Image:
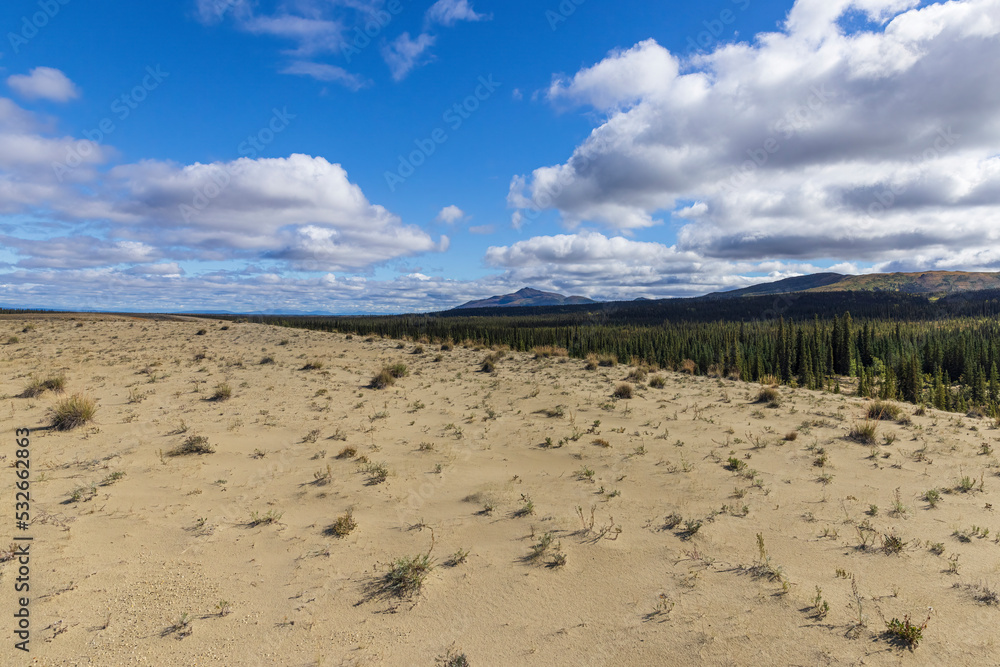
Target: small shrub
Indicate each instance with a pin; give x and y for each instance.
(623, 390)
(906, 632)
(343, 526)
(688, 367)
(195, 444)
(72, 412)
(257, 519)
(223, 392)
(56, 384)
(601, 442)
(791, 436)
(637, 376)
(608, 360)
(32, 389)
(884, 410)
(407, 576)
(347, 453)
(13, 340)
(314, 365)
(657, 382)
(769, 395)
(382, 380)
(489, 364)
(546, 351)
(398, 370)
(201, 332)
(266, 361)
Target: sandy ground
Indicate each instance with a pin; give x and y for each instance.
(131, 568)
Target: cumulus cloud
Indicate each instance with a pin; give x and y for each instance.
(450, 215)
(609, 268)
(45, 83)
(810, 142)
(300, 212)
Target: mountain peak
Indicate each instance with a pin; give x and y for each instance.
(526, 296)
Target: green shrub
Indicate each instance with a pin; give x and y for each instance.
(657, 382)
(343, 526)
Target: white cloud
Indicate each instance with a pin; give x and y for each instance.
(324, 72)
(809, 143)
(450, 215)
(300, 212)
(404, 53)
(313, 35)
(610, 268)
(45, 83)
(450, 12)
(484, 230)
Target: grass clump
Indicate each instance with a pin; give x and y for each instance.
(864, 432)
(546, 351)
(267, 361)
(195, 444)
(623, 391)
(388, 375)
(884, 410)
(347, 453)
(637, 376)
(769, 395)
(657, 382)
(407, 576)
(72, 412)
(223, 392)
(314, 365)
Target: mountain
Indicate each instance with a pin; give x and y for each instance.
(526, 297)
(928, 283)
(796, 284)
(933, 284)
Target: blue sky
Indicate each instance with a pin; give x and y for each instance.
(238, 155)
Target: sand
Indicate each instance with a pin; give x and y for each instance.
(164, 564)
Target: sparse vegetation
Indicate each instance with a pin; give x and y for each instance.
(623, 391)
(223, 392)
(195, 444)
(73, 412)
(343, 526)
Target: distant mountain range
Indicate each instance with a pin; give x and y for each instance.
(933, 284)
(526, 297)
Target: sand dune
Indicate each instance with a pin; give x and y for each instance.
(241, 541)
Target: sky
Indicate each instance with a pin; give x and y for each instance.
(385, 156)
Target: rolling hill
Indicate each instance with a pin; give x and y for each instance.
(526, 297)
